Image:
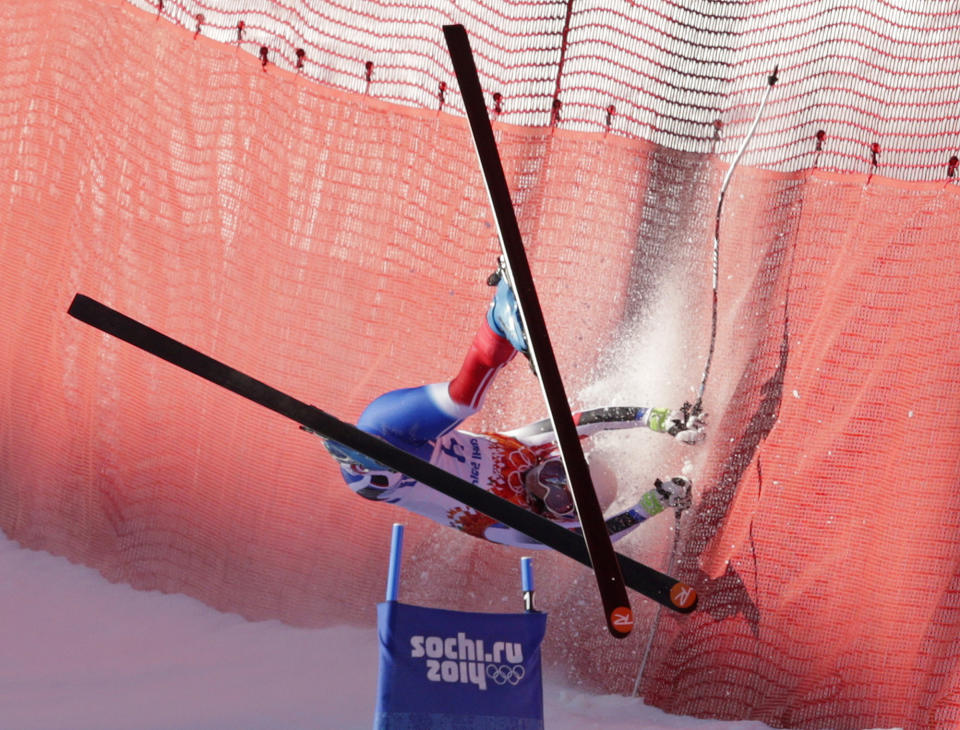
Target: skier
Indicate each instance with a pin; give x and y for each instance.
(522, 466)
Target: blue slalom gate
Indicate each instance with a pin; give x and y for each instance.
(454, 669)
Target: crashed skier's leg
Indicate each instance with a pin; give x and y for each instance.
(488, 353)
(413, 418)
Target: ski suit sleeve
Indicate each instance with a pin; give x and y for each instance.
(618, 526)
(589, 422)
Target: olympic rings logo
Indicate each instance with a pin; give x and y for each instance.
(504, 673)
(461, 659)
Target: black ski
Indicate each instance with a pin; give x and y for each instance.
(613, 593)
(645, 580)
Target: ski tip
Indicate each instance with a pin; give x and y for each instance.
(83, 308)
(683, 597)
(454, 30)
(620, 621)
(77, 303)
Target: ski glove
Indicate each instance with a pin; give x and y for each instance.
(686, 425)
(674, 492)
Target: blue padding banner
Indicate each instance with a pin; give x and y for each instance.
(450, 669)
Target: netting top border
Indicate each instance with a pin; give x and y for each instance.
(863, 90)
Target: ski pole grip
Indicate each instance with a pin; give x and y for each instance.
(396, 553)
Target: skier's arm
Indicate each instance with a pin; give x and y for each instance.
(674, 493)
(686, 428)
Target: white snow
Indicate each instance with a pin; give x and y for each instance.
(80, 653)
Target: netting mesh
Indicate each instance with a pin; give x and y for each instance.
(334, 245)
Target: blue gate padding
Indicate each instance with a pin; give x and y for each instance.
(451, 669)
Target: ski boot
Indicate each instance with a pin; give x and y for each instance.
(687, 424)
(503, 316)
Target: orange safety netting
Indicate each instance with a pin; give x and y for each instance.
(334, 246)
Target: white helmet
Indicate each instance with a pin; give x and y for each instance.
(547, 481)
